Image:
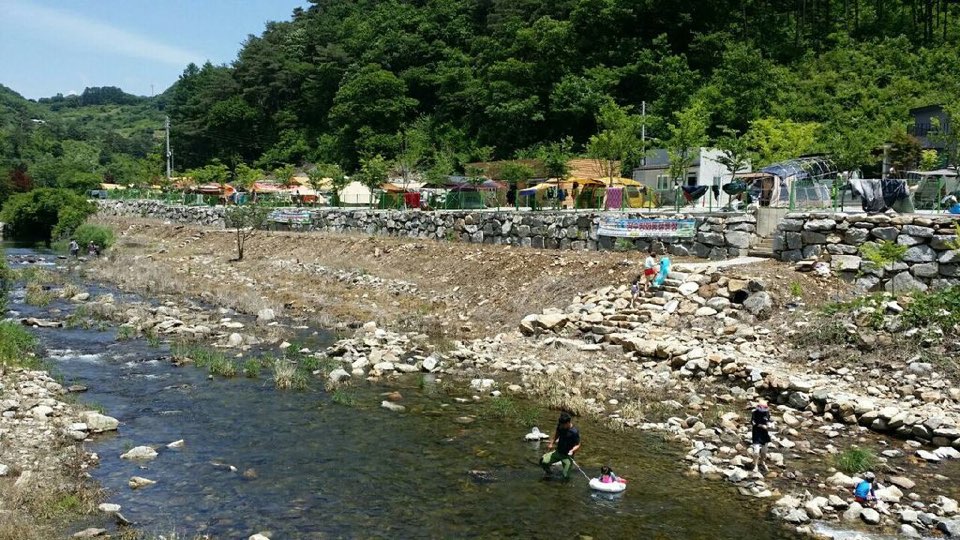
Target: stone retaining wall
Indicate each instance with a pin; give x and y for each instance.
(929, 261)
(718, 235)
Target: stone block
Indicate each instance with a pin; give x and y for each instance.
(926, 270)
(885, 233)
(920, 254)
(811, 237)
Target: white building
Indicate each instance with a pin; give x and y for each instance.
(705, 171)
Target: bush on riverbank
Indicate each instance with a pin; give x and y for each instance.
(17, 347)
(6, 280)
(44, 214)
(856, 460)
(86, 233)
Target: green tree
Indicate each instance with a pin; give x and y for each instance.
(373, 172)
(556, 158)
(771, 140)
(733, 147)
(284, 174)
(367, 112)
(619, 138)
(324, 172)
(687, 134)
(36, 214)
(929, 160)
(212, 173)
(246, 221)
(245, 176)
(514, 173)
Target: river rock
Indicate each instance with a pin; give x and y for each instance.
(797, 515)
(92, 532)
(890, 494)
(4, 470)
(266, 315)
(235, 340)
(759, 303)
(948, 505)
(870, 516)
(98, 423)
(109, 508)
(853, 512)
(258, 536)
(902, 482)
(430, 364)
(909, 531)
(928, 456)
(391, 406)
(947, 452)
(137, 482)
(80, 297)
(176, 444)
(338, 375)
(949, 527)
(688, 288)
(140, 453)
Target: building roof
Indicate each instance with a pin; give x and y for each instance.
(926, 108)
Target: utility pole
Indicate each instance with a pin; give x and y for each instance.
(643, 132)
(169, 155)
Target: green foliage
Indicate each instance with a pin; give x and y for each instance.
(38, 295)
(618, 140)
(687, 134)
(244, 176)
(125, 333)
(223, 366)
(515, 173)
(796, 289)
(212, 173)
(246, 221)
(509, 410)
(251, 368)
(735, 155)
(940, 308)
(342, 396)
(6, 280)
(856, 460)
(929, 160)
(284, 174)
(772, 140)
(98, 234)
(373, 171)
(884, 253)
(37, 214)
(17, 346)
(556, 158)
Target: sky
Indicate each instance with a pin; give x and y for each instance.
(142, 46)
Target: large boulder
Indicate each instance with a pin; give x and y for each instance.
(142, 453)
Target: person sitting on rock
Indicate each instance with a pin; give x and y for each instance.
(760, 434)
(567, 441)
(864, 492)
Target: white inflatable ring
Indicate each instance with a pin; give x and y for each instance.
(608, 487)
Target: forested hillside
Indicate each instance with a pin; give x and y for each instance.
(76, 142)
(465, 79)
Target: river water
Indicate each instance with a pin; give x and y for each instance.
(318, 469)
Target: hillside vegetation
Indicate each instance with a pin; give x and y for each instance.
(76, 142)
(460, 80)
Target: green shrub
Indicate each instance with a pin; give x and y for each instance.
(342, 396)
(223, 366)
(251, 368)
(34, 215)
(939, 307)
(17, 346)
(98, 234)
(855, 460)
(883, 254)
(6, 279)
(508, 410)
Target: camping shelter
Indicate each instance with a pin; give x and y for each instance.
(805, 181)
(932, 186)
(356, 194)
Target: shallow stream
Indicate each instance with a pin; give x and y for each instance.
(318, 469)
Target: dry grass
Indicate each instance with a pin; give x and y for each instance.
(491, 287)
(42, 508)
(283, 373)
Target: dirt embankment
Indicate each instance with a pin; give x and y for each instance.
(448, 290)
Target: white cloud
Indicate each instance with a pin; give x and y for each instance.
(81, 31)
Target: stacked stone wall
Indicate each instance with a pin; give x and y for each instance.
(930, 260)
(718, 235)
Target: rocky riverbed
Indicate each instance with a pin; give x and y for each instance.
(687, 361)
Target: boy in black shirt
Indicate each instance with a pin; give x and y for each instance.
(567, 441)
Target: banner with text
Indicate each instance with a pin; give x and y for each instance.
(647, 228)
(291, 217)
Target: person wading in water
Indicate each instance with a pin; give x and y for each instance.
(567, 441)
